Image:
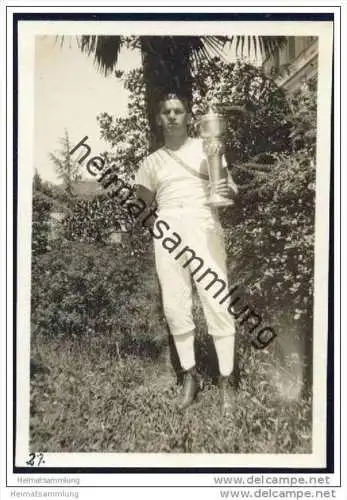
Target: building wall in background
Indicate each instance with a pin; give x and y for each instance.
(295, 63)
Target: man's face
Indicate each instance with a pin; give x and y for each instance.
(173, 117)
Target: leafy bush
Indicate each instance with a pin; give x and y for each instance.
(88, 291)
(272, 233)
(263, 126)
(92, 220)
(128, 137)
(41, 210)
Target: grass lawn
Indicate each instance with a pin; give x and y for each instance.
(86, 398)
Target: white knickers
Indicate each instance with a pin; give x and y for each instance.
(176, 268)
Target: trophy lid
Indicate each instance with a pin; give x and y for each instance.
(212, 123)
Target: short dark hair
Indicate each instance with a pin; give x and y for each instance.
(168, 96)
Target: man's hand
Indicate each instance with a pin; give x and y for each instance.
(226, 187)
(222, 188)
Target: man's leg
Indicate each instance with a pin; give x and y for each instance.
(176, 289)
(185, 349)
(211, 289)
(225, 347)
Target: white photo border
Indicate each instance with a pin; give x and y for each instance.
(25, 149)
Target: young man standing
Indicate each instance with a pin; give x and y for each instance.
(176, 177)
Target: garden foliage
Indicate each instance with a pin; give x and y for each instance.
(42, 206)
(272, 231)
(85, 291)
(92, 221)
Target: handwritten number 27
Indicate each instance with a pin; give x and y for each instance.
(35, 459)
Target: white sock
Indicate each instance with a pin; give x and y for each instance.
(185, 349)
(225, 353)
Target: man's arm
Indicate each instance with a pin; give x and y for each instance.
(146, 196)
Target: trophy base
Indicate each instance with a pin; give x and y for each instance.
(217, 201)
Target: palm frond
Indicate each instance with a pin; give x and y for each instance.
(105, 50)
(261, 45)
(267, 45)
(243, 43)
(255, 45)
(215, 44)
(203, 48)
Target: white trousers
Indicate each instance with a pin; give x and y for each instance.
(176, 268)
(224, 346)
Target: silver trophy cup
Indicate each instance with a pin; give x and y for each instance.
(212, 129)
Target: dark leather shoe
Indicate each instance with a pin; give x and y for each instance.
(189, 389)
(227, 397)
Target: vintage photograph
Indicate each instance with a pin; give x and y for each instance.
(177, 214)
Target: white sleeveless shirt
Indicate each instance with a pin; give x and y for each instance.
(176, 188)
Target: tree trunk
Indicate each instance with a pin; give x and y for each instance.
(166, 67)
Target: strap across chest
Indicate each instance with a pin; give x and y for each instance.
(185, 165)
